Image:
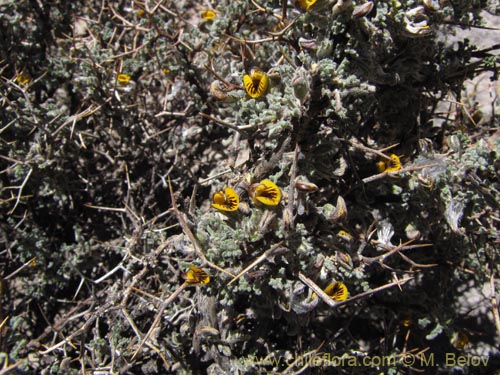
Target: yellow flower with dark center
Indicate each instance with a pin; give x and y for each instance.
(337, 291)
(265, 192)
(392, 165)
(196, 276)
(306, 4)
(256, 83)
(23, 79)
(123, 79)
(208, 15)
(227, 200)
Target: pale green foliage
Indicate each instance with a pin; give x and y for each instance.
(91, 243)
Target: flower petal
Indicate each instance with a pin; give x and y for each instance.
(392, 165)
(208, 14)
(267, 193)
(232, 199)
(395, 164)
(256, 83)
(226, 201)
(123, 79)
(337, 291)
(306, 4)
(196, 276)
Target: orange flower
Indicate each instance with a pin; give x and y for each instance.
(227, 200)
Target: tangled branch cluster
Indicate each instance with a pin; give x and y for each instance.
(189, 187)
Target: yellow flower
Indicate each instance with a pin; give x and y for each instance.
(165, 70)
(208, 14)
(306, 4)
(123, 79)
(256, 83)
(227, 200)
(337, 291)
(389, 166)
(196, 276)
(265, 192)
(23, 79)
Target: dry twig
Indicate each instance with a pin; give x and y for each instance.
(267, 254)
(190, 235)
(332, 303)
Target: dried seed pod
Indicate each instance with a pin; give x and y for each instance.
(305, 186)
(344, 259)
(362, 10)
(454, 143)
(308, 43)
(274, 74)
(340, 7)
(425, 147)
(219, 90)
(342, 167)
(416, 23)
(340, 212)
(417, 30)
(267, 221)
(416, 13)
(244, 208)
(302, 304)
(300, 84)
(208, 331)
(432, 5)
